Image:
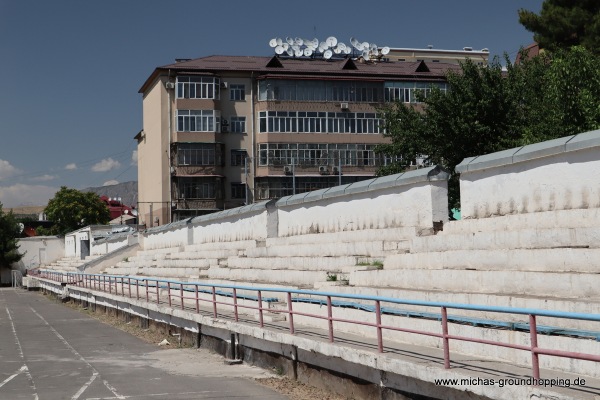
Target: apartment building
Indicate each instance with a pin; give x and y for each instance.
(224, 131)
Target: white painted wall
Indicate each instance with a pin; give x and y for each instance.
(252, 226)
(39, 250)
(414, 205)
(569, 180)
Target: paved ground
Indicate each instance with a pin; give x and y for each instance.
(48, 351)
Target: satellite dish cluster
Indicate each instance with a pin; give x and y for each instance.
(329, 48)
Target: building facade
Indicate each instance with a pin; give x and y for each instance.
(223, 131)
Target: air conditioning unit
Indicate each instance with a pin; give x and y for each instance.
(287, 169)
(323, 170)
(224, 129)
(224, 85)
(170, 85)
(336, 170)
(344, 106)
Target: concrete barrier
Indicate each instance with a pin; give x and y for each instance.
(559, 174)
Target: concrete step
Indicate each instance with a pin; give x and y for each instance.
(579, 218)
(199, 254)
(527, 283)
(294, 263)
(203, 263)
(391, 234)
(238, 245)
(509, 239)
(542, 260)
(303, 278)
(373, 248)
(151, 252)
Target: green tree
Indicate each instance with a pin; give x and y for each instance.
(565, 23)
(491, 109)
(9, 233)
(71, 209)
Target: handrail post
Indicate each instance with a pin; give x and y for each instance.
(445, 340)
(214, 301)
(181, 294)
(290, 312)
(137, 289)
(157, 293)
(330, 318)
(235, 306)
(110, 285)
(378, 320)
(129, 286)
(535, 362)
(260, 310)
(169, 292)
(197, 301)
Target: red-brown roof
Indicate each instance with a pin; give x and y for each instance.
(307, 68)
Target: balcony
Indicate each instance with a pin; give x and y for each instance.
(198, 204)
(197, 170)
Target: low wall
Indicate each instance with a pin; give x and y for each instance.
(39, 250)
(412, 199)
(416, 199)
(559, 174)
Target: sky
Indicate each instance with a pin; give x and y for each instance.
(71, 69)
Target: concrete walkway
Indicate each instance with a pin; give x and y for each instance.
(49, 351)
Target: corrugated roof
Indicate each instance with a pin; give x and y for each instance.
(305, 67)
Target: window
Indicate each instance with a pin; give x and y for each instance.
(198, 120)
(195, 154)
(197, 87)
(238, 124)
(238, 157)
(406, 92)
(196, 188)
(318, 122)
(316, 154)
(309, 90)
(237, 92)
(238, 191)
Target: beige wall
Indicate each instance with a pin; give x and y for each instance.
(153, 162)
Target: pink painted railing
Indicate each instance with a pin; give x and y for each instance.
(144, 288)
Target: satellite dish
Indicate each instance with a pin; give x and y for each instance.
(353, 42)
(299, 41)
(308, 52)
(365, 45)
(273, 42)
(373, 47)
(341, 46)
(289, 40)
(337, 50)
(327, 55)
(298, 52)
(279, 41)
(290, 52)
(366, 54)
(347, 50)
(323, 46)
(279, 50)
(385, 51)
(331, 41)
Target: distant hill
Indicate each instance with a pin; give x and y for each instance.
(127, 191)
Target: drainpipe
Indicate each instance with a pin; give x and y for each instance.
(253, 157)
(169, 152)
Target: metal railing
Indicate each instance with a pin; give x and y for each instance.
(178, 293)
(17, 278)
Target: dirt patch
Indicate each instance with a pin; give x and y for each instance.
(296, 390)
